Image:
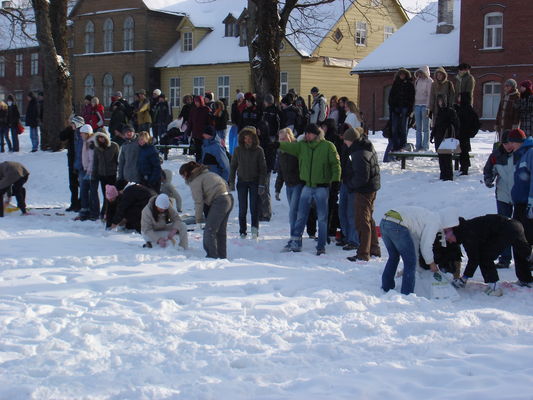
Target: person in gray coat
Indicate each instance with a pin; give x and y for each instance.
(127, 159)
(105, 164)
(210, 191)
(13, 176)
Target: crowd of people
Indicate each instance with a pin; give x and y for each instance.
(325, 159)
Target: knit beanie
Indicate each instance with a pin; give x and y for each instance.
(111, 192)
(162, 201)
(511, 83)
(527, 84)
(516, 136)
(86, 129)
(353, 135)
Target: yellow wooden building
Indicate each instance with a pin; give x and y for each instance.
(212, 54)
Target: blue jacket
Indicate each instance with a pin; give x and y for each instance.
(522, 192)
(214, 157)
(78, 147)
(148, 164)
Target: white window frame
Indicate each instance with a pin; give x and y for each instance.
(283, 83)
(108, 89)
(223, 87)
(198, 85)
(89, 37)
(88, 85)
(187, 41)
(491, 99)
(129, 33)
(386, 109)
(108, 35)
(361, 33)
(128, 91)
(34, 65)
(174, 89)
(388, 31)
(492, 33)
(19, 65)
(2, 67)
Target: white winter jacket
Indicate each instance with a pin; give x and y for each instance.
(423, 225)
(352, 120)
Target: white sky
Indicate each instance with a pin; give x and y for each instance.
(414, 5)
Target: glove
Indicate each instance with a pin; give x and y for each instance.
(530, 212)
(261, 190)
(489, 184)
(162, 242)
(172, 233)
(231, 187)
(277, 196)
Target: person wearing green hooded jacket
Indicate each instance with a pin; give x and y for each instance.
(320, 167)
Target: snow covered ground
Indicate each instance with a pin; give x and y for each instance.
(87, 314)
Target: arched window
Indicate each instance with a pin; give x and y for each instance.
(88, 85)
(89, 37)
(491, 99)
(127, 91)
(129, 29)
(108, 89)
(493, 31)
(108, 35)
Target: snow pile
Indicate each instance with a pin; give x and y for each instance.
(88, 314)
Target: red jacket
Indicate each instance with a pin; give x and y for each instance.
(199, 119)
(97, 117)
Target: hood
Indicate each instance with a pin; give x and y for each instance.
(424, 70)
(249, 130)
(105, 136)
(214, 139)
(197, 171)
(168, 176)
(405, 71)
(440, 69)
(527, 144)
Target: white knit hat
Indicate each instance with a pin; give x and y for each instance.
(86, 129)
(449, 217)
(162, 201)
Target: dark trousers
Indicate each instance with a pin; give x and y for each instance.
(446, 167)
(366, 226)
(311, 220)
(247, 190)
(464, 158)
(520, 214)
(333, 212)
(19, 192)
(74, 187)
(215, 231)
(197, 143)
(105, 180)
(399, 127)
(506, 210)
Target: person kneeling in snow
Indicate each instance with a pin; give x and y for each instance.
(13, 175)
(484, 238)
(124, 208)
(406, 231)
(160, 222)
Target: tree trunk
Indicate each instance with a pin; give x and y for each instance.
(265, 35)
(51, 25)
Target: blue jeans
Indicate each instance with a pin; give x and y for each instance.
(90, 203)
(398, 242)
(15, 138)
(422, 127)
(293, 195)
(347, 215)
(4, 136)
(320, 195)
(506, 210)
(245, 190)
(399, 127)
(34, 136)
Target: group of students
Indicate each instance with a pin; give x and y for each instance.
(10, 122)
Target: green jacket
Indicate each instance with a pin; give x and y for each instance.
(318, 161)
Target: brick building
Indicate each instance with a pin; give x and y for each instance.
(116, 45)
(496, 39)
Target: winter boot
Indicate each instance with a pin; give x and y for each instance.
(255, 233)
(494, 289)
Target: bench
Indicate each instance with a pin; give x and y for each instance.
(163, 147)
(404, 155)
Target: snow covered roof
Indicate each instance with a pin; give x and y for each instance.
(304, 35)
(416, 44)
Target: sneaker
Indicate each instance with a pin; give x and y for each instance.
(355, 259)
(296, 246)
(147, 245)
(243, 235)
(350, 246)
(287, 247)
(523, 284)
(502, 265)
(493, 290)
(255, 233)
(459, 283)
(319, 252)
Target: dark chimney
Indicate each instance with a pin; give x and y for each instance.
(445, 16)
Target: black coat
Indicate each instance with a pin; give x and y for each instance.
(271, 116)
(468, 124)
(446, 125)
(129, 206)
(484, 238)
(119, 117)
(67, 136)
(249, 117)
(402, 94)
(290, 116)
(288, 172)
(13, 116)
(221, 121)
(362, 173)
(32, 114)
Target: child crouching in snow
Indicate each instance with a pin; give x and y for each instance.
(160, 222)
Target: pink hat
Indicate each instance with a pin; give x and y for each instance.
(111, 192)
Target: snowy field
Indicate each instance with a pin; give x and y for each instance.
(87, 314)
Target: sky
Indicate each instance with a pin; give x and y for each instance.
(412, 6)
